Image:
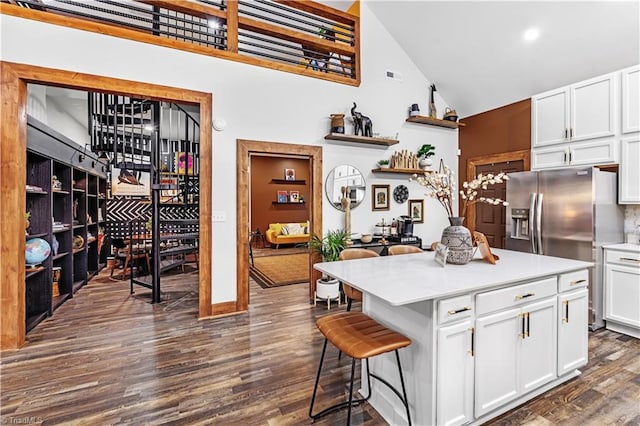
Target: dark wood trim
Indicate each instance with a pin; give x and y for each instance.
(474, 162)
(244, 149)
(13, 163)
(225, 309)
(96, 27)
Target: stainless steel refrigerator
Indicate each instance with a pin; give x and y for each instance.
(566, 213)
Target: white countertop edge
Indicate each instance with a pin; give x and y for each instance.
(623, 246)
(375, 276)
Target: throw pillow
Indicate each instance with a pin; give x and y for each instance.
(294, 228)
(285, 230)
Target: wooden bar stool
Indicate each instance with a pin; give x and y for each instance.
(403, 249)
(361, 337)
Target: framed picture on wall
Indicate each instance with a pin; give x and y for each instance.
(130, 182)
(283, 196)
(289, 174)
(416, 210)
(379, 197)
(294, 196)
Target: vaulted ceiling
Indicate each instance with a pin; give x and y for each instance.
(475, 53)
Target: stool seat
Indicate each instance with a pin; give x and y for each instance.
(360, 336)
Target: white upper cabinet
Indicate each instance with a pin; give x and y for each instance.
(550, 117)
(629, 173)
(584, 110)
(631, 99)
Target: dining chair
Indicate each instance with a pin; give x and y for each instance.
(354, 253)
(403, 249)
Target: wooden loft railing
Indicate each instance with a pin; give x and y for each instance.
(297, 36)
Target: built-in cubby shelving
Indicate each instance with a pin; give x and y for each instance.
(361, 139)
(62, 196)
(422, 119)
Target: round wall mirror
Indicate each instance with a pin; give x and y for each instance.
(345, 175)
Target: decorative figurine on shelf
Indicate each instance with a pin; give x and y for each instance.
(345, 202)
(362, 123)
(414, 110)
(337, 123)
(432, 102)
(56, 185)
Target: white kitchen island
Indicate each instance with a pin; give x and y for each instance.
(485, 338)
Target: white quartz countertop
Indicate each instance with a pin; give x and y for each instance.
(411, 278)
(623, 246)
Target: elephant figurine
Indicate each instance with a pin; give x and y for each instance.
(362, 123)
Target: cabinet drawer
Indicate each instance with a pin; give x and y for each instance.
(516, 295)
(573, 280)
(456, 308)
(622, 257)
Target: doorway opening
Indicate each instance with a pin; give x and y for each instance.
(265, 171)
(487, 218)
(14, 149)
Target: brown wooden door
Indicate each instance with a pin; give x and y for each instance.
(490, 219)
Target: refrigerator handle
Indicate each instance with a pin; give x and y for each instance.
(539, 222)
(532, 237)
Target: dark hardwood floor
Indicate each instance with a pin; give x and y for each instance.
(107, 357)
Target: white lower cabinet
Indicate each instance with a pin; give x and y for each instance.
(496, 347)
(455, 374)
(573, 334)
(622, 289)
(516, 353)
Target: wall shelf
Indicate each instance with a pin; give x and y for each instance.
(421, 119)
(289, 182)
(400, 171)
(361, 139)
(288, 202)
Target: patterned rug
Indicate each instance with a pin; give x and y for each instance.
(276, 271)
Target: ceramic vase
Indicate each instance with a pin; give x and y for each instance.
(458, 239)
(425, 163)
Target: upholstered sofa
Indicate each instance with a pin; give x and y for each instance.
(287, 233)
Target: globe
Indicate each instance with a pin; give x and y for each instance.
(36, 251)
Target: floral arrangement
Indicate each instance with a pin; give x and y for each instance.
(442, 186)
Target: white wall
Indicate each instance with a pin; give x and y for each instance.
(268, 105)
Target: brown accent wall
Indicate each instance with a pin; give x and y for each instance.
(500, 130)
(264, 191)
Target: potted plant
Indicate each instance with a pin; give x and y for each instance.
(425, 153)
(383, 164)
(329, 248)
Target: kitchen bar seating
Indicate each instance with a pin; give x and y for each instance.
(361, 337)
(403, 249)
(354, 253)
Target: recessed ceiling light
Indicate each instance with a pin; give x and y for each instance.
(531, 34)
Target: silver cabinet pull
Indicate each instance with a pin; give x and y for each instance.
(576, 282)
(629, 259)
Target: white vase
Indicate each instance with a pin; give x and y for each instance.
(425, 163)
(327, 289)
